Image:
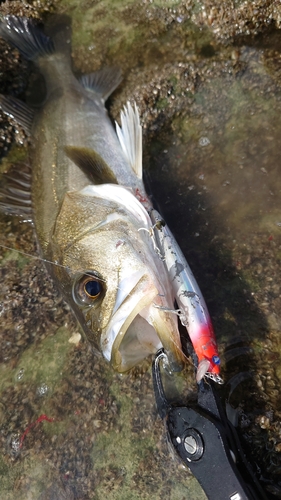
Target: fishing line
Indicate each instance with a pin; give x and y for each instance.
(36, 257)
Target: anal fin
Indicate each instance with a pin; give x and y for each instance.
(92, 164)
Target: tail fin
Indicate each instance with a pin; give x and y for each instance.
(21, 33)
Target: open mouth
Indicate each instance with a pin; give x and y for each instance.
(129, 337)
(140, 340)
(138, 328)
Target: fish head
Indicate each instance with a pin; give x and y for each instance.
(115, 281)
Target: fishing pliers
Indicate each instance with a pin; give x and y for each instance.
(206, 441)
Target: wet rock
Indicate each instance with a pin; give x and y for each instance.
(209, 98)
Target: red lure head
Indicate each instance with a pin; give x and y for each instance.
(205, 347)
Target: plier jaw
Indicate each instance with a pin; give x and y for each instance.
(207, 442)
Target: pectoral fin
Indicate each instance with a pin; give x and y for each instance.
(92, 164)
(15, 192)
(18, 110)
(102, 82)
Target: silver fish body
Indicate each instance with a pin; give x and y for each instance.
(72, 116)
(85, 206)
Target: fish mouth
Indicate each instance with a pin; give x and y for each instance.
(138, 327)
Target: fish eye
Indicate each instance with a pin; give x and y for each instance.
(93, 288)
(88, 288)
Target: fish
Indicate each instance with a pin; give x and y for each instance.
(85, 195)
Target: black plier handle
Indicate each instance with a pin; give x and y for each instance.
(207, 442)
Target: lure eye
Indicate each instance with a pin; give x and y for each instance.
(88, 289)
(216, 360)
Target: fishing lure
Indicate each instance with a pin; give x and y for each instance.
(193, 313)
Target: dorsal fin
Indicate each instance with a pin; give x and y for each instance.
(18, 110)
(130, 137)
(21, 33)
(15, 192)
(103, 81)
(92, 164)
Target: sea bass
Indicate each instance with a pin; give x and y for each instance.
(89, 206)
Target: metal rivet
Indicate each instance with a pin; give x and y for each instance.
(190, 445)
(193, 445)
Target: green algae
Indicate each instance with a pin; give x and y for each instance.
(98, 21)
(17, 154)
(18, 257)
(126, 453)
(132, 35)
(40, 364)
(165, 3)
(119, 447)
(161, 104)
(29, 478)
(6, 481)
